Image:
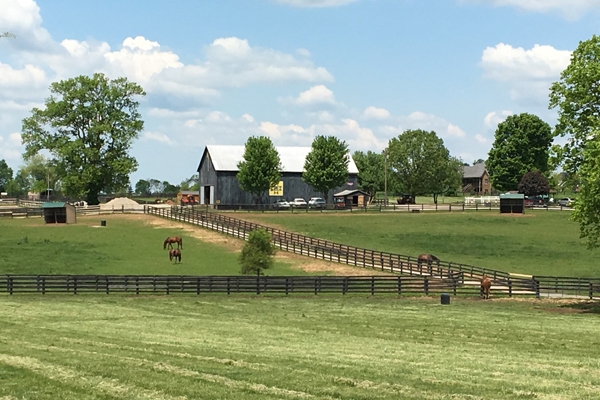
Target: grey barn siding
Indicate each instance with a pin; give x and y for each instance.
(227, 189)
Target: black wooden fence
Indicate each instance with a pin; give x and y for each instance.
(171, 284)
(330, 251)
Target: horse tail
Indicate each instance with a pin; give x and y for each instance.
(181, 242)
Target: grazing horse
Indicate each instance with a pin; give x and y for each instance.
(486, 284)
(428, 258)
(173, 239)
(175, 254)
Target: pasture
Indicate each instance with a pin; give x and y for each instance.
(129, 244)
(539, 242)
(307, 347)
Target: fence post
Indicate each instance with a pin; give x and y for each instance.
(198, 285)
(137, 285)
(426, 285)
(537, 288)
(399, 286)
(10, 285)
(345, 285)
(591, 291)
(167, 285)
(228, 290)
(44, 285)
(372, 286)
(509, 287)
(74, 285)
(106, 280)
(287, 286)
(258, 285)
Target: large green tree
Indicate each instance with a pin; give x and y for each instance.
(88, 125)
(421, 164)
(261, 168)
(577, 97)
(40, 173)
(142, 187)
(522, 144)
(6, 175)
(370, 171)
(534, 183)
(326, 165)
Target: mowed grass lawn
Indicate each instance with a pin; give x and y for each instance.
(313, 347)
(539, 242)
(127, 245)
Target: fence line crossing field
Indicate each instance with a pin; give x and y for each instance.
(326, 347)
(536, 243)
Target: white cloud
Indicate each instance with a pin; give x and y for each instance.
(316, 95)
(322, 116)
(11, 147)
(492, 119)
(315, 3)
(571, 9)
(157, 136)
(376, 113)
(166, 113)
(480, 138)
(248, 118)
(529, 73)
(431, 122)
(455, 131)
(217, 116)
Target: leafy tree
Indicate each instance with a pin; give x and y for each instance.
(261, 168)
(156, 186)
(40, 174)
(257, 254)
(577, 97)
(370, 171)
(129, 190)
(478, 161)
(421, 163)
(448, 179)
(326, 165)
(6, 175)
(88, 125)
(521, 144)
(170, 188)
(534, 183)
(143, 187)
(190, 184)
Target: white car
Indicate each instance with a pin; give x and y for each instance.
(316, 202)
(566, 202)
(281, 204)
(298, 202)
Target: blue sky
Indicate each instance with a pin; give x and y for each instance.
(217, 72)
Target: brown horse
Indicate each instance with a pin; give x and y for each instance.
(175, 254)
(486, 285)
(427, 258)
(173, 239)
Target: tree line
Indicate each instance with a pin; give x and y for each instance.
(88, 124)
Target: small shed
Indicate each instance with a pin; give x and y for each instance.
(512, 203)
(59, 212)
(351, 198)
(188, 197)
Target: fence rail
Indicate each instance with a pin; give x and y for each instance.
(19, 212)
(170, 284)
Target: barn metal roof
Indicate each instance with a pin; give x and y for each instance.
(54, 204)
(226, 158)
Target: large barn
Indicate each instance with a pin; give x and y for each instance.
(219, 185)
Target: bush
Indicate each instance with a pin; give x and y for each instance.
(257, 254)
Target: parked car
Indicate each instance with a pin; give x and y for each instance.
(298, 202)
(537, 201)
(281, 203)
(316, 202)
(405, 199)
(566, 202)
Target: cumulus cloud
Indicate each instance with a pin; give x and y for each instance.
(480, 138)
(529, 73)
(315, 95)
(315, 3)
(166, 113)
(492, 119)
(376, 113)
(431, 122)
(571, 9)
(157, 136)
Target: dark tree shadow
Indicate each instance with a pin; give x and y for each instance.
(592, 307)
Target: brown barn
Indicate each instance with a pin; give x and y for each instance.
(59, 213)
(476, 179)
(351, 198)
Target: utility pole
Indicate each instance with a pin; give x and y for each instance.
(385, 201)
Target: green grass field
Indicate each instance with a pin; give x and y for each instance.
(125, 246)
(540, 242)
(313, 347)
